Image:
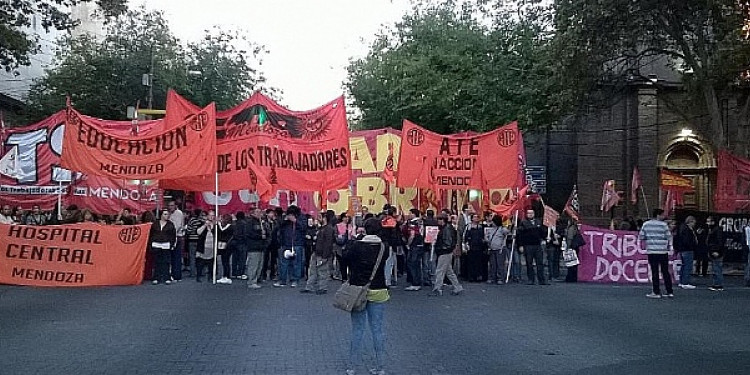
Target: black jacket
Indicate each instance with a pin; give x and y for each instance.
(446, 240)
(166, 234)
(326, 237)
(685, 240)
(361, 257)
(255, 242)
(531, 232)
(715, 242)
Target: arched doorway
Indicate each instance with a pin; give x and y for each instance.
(692, 158)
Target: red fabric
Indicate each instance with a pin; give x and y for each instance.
(550, 216)
(609, 196)
(182, 150)
(732, 183)
(431, 160)
(40, 146)
(506, 202)
(635, 185)
(572, 207)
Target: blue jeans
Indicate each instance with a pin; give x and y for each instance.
(177, 259)
(717, 265)
(296, 263)
(515, 267)
(239, 259)
(373, 313)
(687, 267)
(192, 246)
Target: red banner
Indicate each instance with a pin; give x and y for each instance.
(732, 184)
(431, 160)
(178, 151)
(76, 255)
(41, 177)
(295, 150)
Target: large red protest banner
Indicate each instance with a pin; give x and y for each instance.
(41, 178)
(295, 150)
(459, 162)
(178, 151)
(615, 256)
(76, 255)
(732, 184)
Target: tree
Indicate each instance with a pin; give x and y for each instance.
(604, 44)
(445, 69)
(103, 78)
(15, 15)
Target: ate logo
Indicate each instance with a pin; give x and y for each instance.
(506, 138)
(130, 235)
(199, 121)
(415, 137)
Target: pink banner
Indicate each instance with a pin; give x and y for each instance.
(616, 256)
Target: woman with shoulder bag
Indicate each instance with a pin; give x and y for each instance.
(575, 242)
(362, 258)
(224, 249)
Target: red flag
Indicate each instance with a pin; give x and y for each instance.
(550, 216)
(609, 196)
(388, 174)
(572, 208)
(635, 185)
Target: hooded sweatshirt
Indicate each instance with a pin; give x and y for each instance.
(361, 258)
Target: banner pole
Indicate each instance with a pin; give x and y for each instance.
(512, 246)
(645, 202)
(216, 215)
(59, 199)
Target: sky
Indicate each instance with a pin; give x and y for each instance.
(309, 42)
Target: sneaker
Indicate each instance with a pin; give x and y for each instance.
(278, 284)
(294, 284)
(500, 282)
(490, 282)
(350, 372)
(686, 286)
(716, 288)
(155, 282)
(253, 286)
(168, 282)
(243, 277)
(224, 280)
(653, 295)
(436, 293)
(457, 292)
(413, 288)
(377, 372)
(307, 291)
(670, 295)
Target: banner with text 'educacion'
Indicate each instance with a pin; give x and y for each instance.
(75, 255)
(185, 149)
(489, 160)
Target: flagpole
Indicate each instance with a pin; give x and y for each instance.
(512, 246)
(216, 218)
(645, 202)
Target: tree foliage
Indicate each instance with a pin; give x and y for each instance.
(450, 71)
(16, 16)
(606, 43)
(104, 77)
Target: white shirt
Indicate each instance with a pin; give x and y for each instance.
(178, 219)
(6, 219)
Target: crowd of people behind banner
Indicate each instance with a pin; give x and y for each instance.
(289, 247)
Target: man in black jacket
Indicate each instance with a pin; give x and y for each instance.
(319, 270)
(531, 236)
(715, 245)
(686, 243)
(444, 245)
(240, 243)
(255, 245)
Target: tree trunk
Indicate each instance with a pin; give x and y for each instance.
(714, 111)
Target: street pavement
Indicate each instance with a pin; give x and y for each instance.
(199, 328)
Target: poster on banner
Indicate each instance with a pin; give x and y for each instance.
(435, 161)
(184, 150)
(75, 255)
(732, 183)
(355, 205)
(41, 179)
(431, 233)
(615, 256)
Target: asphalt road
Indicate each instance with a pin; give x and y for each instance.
(191, 328)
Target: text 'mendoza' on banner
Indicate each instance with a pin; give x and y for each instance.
(179, 150)
(459, 162)
(40, 179)
(615, 256)
(75, 255)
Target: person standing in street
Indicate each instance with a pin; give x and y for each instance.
(255, 245)
(496, 239)
(444, 245)
(362, 258)
(291, 238)
(685, 244)
(319, 270)
(531, 236)
(715, 246)
(178, 220)
(656, 237)
(163, 238)
(205, 250)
